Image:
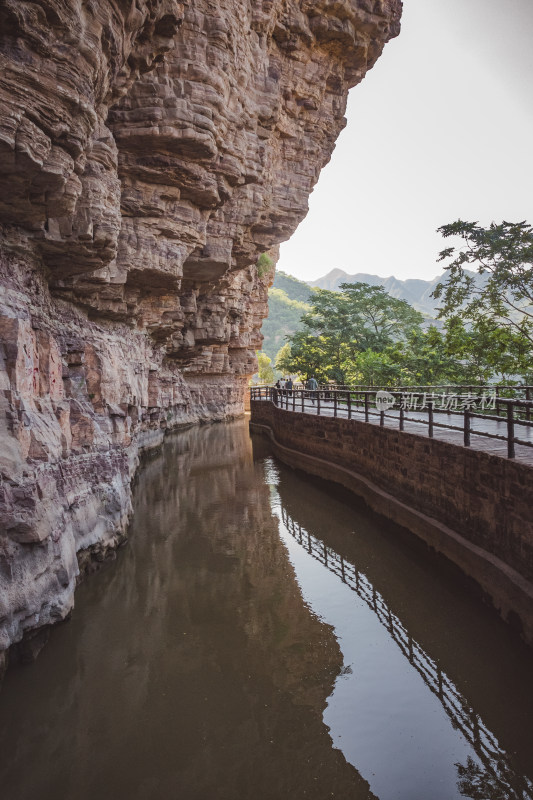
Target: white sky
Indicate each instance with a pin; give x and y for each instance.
(440, 129)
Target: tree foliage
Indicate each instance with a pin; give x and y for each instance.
(503, 298)
(488, 312)
(264, 264)
(341, 326)
(361, 335)
(283, 359)
(308, 357)
(265, 370)
(378, 318)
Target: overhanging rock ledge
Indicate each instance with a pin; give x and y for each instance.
(150, 151)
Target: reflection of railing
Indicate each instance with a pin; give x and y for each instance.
(428, 410)
(461, 714)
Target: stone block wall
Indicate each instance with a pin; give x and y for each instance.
(484, 500)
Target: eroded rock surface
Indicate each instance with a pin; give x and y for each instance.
(150, 151)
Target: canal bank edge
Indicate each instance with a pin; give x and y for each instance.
(502, 585)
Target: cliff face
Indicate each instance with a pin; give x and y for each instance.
(150, 151)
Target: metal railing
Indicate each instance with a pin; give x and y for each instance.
(518, 391)
(463, 717)
(454, 412)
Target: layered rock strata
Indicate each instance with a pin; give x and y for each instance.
(150, 151)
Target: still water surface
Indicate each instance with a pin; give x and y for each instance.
(264, 636)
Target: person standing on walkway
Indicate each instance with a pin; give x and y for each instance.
(288, 386)
(312, 386)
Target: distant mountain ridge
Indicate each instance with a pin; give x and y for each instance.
(417, 292)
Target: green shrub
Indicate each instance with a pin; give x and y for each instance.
(264, 264)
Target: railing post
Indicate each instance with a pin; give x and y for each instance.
(401, 418)
(467, 426)
(334, 402)
(381, 419)
(528, 398)
(349, 405)
(303, 399)
(294, 399)
(430, 419)
(497, 403)
(318, 402)
(510, 431)
(366, 406)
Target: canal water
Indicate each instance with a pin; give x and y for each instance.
(263, 635)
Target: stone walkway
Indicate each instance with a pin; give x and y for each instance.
(417, 422)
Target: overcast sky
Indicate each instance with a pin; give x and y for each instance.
(440, 129)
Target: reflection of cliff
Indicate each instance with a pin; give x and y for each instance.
(463, 654)
(150, 151)
(191, 668)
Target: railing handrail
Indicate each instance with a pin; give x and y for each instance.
(516, 411)
(394, 392)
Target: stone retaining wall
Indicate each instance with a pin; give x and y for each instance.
(473, 507)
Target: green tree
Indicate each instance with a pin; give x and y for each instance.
(308, 357)
(283, 362)
(265, 371)
(499, 293)
(373, 369)
(486, 350)
(342, 325)
(377, 318)
(425, 359)
(330, 322)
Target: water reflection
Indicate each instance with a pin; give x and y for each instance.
(192, 667)
(420, 768)
(261, 638)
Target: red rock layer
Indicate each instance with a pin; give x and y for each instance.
(150, 151)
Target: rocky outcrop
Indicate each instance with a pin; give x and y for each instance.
(150, 151)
